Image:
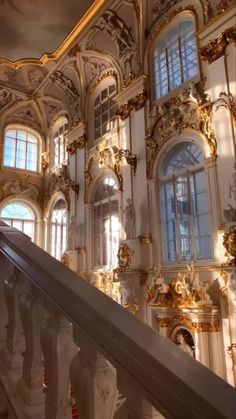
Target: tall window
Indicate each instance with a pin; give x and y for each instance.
(175, 58)
(21, 150)
(20, 216)
(184, 205)
(58, 234)
(104, 111)
(106, 224)
(59, 140)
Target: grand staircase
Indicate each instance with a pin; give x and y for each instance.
(92, 345)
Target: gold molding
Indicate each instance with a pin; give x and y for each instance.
(79, 143)
(145, 239)
(216, 48)
(124, 256)
(228, 101)
(66, 43)
(137, 102)
(229, 242)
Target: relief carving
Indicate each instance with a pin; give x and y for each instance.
(7, 98)
(185, 291)
(59, 180)
(124, 257)
(19, 187)
(120, 34)
(216, 47)
(191, 108)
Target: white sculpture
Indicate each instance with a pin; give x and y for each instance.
(130, 220)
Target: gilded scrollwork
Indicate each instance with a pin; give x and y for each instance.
(124, 256)
(136, 103)
(66, 260)
(229, 242)
(216, 48)
(228, 101)
(184, 291)
(191, 108)
(77, 144)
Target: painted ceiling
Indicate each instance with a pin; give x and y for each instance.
(30, 28)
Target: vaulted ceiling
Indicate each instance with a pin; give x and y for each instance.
(30, 28)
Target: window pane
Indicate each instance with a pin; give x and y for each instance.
(175, 58)
(184, 205)
(20, 150)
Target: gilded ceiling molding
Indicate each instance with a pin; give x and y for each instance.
(136, 103)
(192, 108)
(66, 44)
(79, 143)
(216, 48)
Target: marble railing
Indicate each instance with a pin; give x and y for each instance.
(112, 361)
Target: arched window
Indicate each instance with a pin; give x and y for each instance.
(20, 216)
(58, 227)
(104, 111)
(175, 58)
(21, 150)
(59, 142)
(106, 224)
(184, 204)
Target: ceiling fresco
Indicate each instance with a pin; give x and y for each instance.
(30, 28)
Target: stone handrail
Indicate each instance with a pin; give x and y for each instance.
(156, 369)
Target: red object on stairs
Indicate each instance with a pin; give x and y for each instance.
(74, 413)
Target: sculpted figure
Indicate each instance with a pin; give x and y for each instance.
(130, 220)
(181, 342)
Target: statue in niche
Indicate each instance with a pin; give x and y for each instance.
(184, 340)
(130, 220)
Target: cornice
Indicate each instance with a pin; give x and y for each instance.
(66, 43)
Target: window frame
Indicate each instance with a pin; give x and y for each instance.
(62, 226)
(29, 132)
(108, 81)
(26, 205)
(176, 22)
(163, 179)
(101, 202)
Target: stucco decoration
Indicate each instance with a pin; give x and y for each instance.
(52, 109)
(7, 98)
(184, 291)
(20, 187)
(120, 33)
(25, 115)
(192, 108)
(59, 180)
(72, 96)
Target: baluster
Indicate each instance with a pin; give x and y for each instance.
(93, 381)
(15, 344)
(5, 271)
(135, 406)
(31, 384)
(58, 350)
